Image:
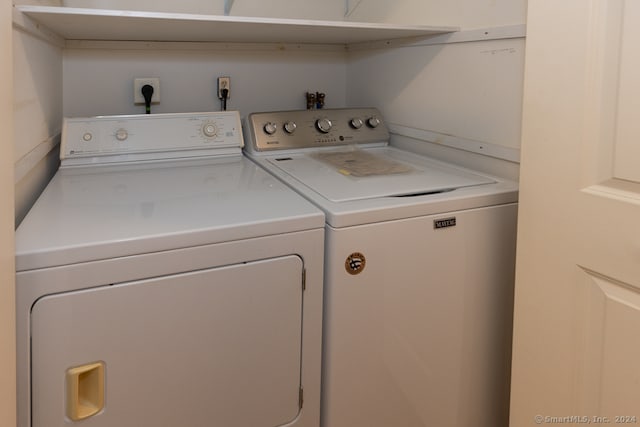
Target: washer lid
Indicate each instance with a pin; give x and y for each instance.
(357, 174)
(102, 212)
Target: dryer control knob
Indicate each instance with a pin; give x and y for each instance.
(356, 123)
(122, 134)
(324, 125)
(290, 127)
(270, 128)
(373, 122)
(210, 130)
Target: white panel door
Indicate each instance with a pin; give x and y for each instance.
(577, 300)
(217, 347)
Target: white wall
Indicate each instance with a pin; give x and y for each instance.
(471, 90)
(466, 14)
(309, 9)
(100, 81)
(37, 68)
(7, 249)
(332, 10)
(468, 90)
(39, 2)
(182, 6)
(37, 111)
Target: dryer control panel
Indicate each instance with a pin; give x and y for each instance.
(108, 139)
(284, 130)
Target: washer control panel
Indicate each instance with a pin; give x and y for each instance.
(151, 136)
(284, 130)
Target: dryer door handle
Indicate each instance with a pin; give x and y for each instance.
(85, 390)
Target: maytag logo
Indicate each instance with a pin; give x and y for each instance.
(444, 223)
(355, 263)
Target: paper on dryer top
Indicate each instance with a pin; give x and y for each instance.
(361, 163)
(407, 175)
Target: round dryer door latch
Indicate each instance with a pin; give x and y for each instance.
(355, 263)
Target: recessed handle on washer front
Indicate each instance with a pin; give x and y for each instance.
(85, 390)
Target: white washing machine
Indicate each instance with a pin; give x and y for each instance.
(165, 280)
(419, 271)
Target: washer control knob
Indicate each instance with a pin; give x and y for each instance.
(270, 128)
(210, 130)
(356, 123)
(290, 127)
(373, 122)
(324, 125)
(122, 134)
(87, 137)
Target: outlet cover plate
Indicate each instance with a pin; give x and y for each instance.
(137, 89)
(224, 83)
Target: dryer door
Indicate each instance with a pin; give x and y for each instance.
(218, 347)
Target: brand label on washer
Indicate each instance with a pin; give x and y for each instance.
(444, 223)
(355, 263)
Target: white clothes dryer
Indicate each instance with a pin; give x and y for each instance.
(165, 280)
(419, 271)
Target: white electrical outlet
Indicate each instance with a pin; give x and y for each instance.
(137, 89)
(224, 83)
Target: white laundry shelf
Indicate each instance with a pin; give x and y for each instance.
(98, 24)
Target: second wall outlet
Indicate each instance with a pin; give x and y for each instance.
(224, 83)
(138, 83)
